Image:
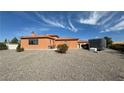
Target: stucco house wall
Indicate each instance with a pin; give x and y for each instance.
(43, 43)
(70, 43)
(46, 41)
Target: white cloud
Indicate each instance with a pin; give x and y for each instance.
(73, 28)
(117, 27)
(108, 18)
(58, 22)
(108, 24)
(122, 17)
(49, 21)
(93, 18)
(53, 22)
(96, 36)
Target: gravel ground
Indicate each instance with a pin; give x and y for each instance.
(77, 64)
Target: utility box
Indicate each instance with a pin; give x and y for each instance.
(99, 43)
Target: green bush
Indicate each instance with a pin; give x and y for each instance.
(62, 48)
(19, 49)
(3, 46)
(118, 47)
(108, 41)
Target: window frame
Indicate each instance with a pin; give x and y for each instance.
(33, 41)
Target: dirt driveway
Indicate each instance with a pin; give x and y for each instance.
(77, 64)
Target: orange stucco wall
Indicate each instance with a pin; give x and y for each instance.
(70, 43)
(43, 43)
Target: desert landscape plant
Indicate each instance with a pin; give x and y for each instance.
(19, 49)
(62, 48)
(118, 47)
(108, 41)
(3, 46)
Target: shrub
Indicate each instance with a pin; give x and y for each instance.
(3, 46)
(108, 41)
(62, 48)
(19, 49)
(118, 47)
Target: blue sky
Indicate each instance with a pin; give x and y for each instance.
(80, 24)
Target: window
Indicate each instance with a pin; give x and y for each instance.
(33, 41)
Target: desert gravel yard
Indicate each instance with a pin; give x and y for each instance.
(76, 64)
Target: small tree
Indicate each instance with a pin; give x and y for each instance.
(62, 48)
(5, 41)
(3, 46)
(19, 49)
(14, 40)
(108, 41)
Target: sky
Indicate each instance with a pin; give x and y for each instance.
(79, 24)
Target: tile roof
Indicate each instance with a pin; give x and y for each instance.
(82, 41)
(51, 36)
(37, 36)
(66, 38)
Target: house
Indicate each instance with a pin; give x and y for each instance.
(47, 41)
